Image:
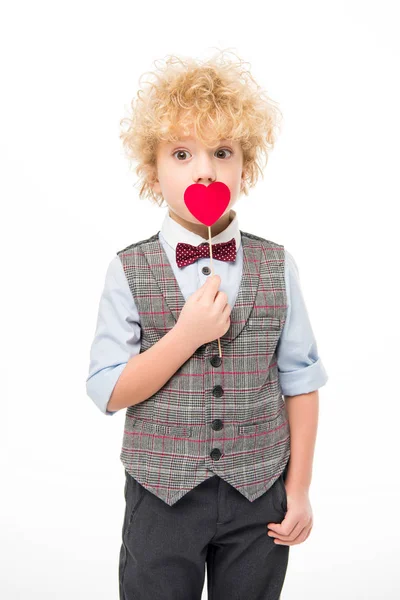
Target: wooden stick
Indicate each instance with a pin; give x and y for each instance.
(212, 273)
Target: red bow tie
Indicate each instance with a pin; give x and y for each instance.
(187, 254)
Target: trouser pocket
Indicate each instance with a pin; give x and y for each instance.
(134, 494)
(283, 491)
(280, 497)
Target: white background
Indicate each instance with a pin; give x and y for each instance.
(330, 194)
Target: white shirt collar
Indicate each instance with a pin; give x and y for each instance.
(173, 233)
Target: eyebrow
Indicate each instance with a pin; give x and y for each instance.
(191, 139)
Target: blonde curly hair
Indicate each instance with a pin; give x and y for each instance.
(218, 98)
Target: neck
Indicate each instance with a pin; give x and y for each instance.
(201, 229)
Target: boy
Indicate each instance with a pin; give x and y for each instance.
(207, 438)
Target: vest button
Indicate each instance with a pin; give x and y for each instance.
(215, 360)
(217, 424)
(215, 453)
(206, 270)
(218, 391)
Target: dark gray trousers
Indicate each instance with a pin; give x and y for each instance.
(165, 548)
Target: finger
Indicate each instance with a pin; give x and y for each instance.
(286, 525)
(300, 527)
(210, 289)
(298, 540)
(221, 301)
(227, 311)
(285, 535)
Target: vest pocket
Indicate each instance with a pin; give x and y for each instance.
(265, 425)
(173, 430)
(261, 323)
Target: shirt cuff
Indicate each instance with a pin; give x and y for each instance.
(303, 381)
(99, 387)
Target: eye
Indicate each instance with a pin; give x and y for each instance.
(180, 152)
(224, 150)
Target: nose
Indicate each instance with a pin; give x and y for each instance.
(204, 171)
(205, 180)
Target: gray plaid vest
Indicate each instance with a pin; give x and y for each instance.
(224, 417)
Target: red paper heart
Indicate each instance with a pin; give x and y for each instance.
(207, 203)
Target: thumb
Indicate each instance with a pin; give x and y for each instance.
(214, 280)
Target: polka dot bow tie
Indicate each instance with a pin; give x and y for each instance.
(187, 254)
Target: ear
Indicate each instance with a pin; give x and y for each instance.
(156, 187)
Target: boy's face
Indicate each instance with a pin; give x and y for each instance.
(188, 161)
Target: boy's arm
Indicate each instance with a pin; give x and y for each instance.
(119, 375)
(117, 336)
(300, 369)
(145, 373)
(303, 422)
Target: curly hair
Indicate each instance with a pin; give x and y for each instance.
(219, 99)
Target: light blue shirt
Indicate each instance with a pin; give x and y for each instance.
(118, 331)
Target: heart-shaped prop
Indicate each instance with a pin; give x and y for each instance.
(207, 203)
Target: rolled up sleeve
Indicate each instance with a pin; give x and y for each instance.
(117, 336)
(299, 366)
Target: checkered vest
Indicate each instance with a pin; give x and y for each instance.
(215, 416)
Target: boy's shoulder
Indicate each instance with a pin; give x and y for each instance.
(266, 242)
(148, 240)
